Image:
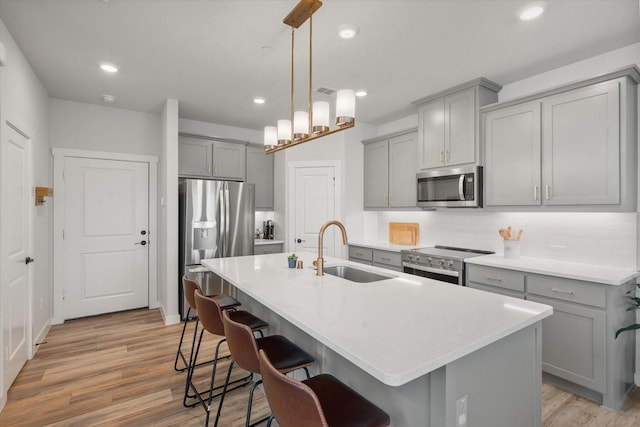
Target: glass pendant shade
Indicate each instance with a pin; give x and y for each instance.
(284, 132)
(320, 117)
(270, 137)
(300, 125)
(345, 107)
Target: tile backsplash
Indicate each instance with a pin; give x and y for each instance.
(598, 238)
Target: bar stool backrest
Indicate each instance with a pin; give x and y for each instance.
(242, 344)
(292, 402)
(190, 287)
(209, 314)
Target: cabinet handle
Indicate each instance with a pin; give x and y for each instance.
(385, 259)
(495, 279)
(547, 191)
(562, 291)
(446, 156)
(359, 253)
(389, 197)
(386, 198)
(441, 153)
(209, 168)
(535, 192)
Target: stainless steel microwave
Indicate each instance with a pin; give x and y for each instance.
(450, 188)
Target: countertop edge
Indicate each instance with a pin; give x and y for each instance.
(386, 246)
(613, 276)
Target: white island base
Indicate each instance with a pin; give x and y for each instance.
(429, 354)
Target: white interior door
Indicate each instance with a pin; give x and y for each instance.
(314, 204)
(15, 250)
(106, 236)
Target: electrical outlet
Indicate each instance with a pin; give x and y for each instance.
(461, 411)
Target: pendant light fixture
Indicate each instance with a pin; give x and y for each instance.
(303, 126)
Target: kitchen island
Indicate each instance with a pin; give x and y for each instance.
(424, 351)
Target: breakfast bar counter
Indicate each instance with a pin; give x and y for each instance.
(418, 348)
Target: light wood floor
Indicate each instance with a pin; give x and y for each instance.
(117, 370)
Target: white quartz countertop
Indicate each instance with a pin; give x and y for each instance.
(568, 270)
(259, 242)
(397, 330)
(385, 246)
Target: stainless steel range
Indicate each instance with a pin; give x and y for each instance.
(443, 263)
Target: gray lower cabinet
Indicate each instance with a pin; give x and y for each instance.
(267, 248)
(578, 344)
(390, 171)
(498, 281)
(209, 158)
(260, 173)
(380, 258)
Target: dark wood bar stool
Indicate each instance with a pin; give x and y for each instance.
(244, 347)
(321, 401)
(211, 319)
(188, 288)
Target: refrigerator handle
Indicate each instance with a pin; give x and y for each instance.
(222, 221)
(227, 214)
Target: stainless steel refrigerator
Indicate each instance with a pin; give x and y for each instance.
(217, 219)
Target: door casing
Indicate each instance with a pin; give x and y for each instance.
(59, 155)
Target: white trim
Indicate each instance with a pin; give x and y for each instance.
(290, 226)
(41, 336)
(59, 155)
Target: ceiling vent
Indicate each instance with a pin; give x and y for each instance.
(326, 91)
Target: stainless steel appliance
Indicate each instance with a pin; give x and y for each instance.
(451, 188)
(217, 219)
(443, 263)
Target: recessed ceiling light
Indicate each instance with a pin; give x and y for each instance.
(348, 31)
(361, 92)
(109, 68)
(108, 98)
(259, 100)
(532, 10)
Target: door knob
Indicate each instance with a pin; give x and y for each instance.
(28, 260)
(300, 240)
(144, 242)
(143, 232)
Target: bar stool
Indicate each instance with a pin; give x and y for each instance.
(320, 401)
(285, 356)
(211, 320)
(189, 287)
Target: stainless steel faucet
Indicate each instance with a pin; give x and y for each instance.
(320, 261)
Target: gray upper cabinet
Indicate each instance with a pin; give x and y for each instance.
(209, 158)
(570, 146)
(390, 171)
(194, 157)
(448, 124)
(581, 146)
(512, 162)
(228, 160)
(260, 173)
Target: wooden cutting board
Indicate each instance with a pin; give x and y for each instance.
(404, 233)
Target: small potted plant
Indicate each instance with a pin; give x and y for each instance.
(292, 260)
(635, 305)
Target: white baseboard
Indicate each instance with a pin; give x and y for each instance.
(41, 336)
(169, 320)
(3, 399)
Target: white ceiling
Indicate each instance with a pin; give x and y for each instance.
(210, 55)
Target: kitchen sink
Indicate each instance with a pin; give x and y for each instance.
(355, 274)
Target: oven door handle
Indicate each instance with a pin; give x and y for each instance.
(461, 187)
(431, 270)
